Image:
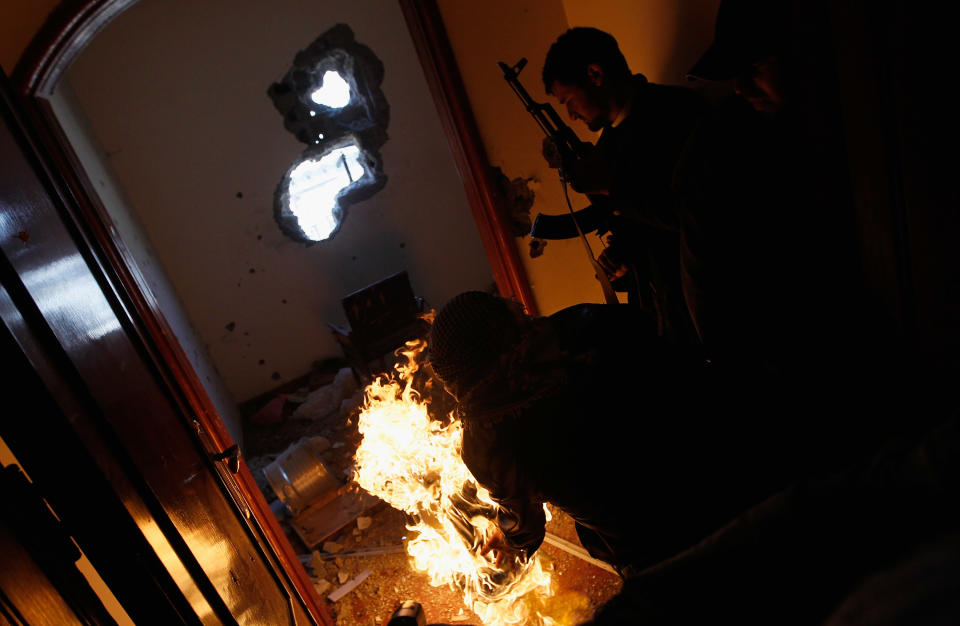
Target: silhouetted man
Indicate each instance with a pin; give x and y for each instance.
(644, 127)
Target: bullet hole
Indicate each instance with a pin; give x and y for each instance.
(231, 326)
(275, 376)
(284, 301)
(259, 237)
(403, 245)
(354, 258)
(246, 334)
(23, 236)
(261, 362)
(239, 194)
(253, 271)
(238, 283)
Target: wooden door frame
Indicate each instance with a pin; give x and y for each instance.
(64, 35)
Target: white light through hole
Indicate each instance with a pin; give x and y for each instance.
(314, 186)
(334, 92)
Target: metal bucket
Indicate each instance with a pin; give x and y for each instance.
(299, 477)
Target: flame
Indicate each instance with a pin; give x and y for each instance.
(414, 464)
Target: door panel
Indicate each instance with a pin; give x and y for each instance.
(215, 553)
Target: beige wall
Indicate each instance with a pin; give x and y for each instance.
(175, 93)
(19, 22)
(503, 30)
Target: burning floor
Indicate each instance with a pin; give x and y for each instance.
(362, 553)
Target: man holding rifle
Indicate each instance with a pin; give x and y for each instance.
(644, 128)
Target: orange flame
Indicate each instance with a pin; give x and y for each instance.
(414, 464)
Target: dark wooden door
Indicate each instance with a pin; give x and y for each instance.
(106, 435)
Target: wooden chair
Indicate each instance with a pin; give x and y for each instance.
(382, 317)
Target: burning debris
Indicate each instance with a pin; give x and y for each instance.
(413, 463)
(426, 545)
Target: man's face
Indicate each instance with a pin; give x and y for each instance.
(583, 103)
(761, 86)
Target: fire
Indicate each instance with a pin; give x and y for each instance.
(414, 464)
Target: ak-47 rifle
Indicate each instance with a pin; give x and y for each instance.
(571, 148)
(576, 223)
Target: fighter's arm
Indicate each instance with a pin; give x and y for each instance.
(520, 517)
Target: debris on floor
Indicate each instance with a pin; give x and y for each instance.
(327, 399)
(353, 545)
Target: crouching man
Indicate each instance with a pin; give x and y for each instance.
(590, 410)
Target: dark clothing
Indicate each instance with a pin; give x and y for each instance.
(875, 543)
(643, 149)
(768, 251)
(641, 152)
(627, 433)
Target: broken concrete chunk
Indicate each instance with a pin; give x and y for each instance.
(343, 577)
(328, 399)
(345, 382)
(318, 404)
(322, 586)
(348, 406)
(350, 586)
(363, 522)
(332, 547)
(319, 444)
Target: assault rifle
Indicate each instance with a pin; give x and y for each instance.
(589, 219)
(592, 218)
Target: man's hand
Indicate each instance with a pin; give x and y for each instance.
(590, 174)
(613, 261)
(552, 153)
(498, 542)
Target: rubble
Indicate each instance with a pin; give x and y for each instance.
(370, 537)
(351, 404)
(347, 588)
(271, 413)
(329, 398)
(332, 547)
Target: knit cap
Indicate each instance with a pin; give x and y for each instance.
(469, 335)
